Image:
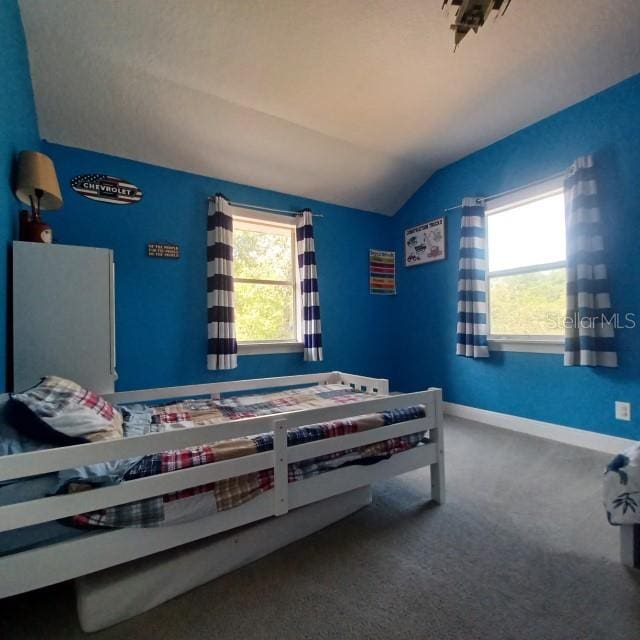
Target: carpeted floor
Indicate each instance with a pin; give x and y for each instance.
(521, 550)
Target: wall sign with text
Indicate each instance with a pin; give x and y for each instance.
(103, 188)
(382, 272)
(163, 250)
(425, 243)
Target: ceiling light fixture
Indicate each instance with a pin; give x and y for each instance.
(472, 14)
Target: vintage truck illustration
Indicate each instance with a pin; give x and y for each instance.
(425, 243)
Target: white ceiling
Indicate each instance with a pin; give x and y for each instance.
(355, 102)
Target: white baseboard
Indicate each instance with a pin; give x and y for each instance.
(548, 430)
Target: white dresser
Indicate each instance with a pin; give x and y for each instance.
(63, 315)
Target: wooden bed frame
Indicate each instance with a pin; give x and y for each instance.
(27, 570)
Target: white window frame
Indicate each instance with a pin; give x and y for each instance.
(522, 343)
(266, 219)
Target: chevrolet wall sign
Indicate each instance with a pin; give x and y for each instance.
(103, 188)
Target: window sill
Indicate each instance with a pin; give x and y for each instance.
(266, 348)
(527, 346)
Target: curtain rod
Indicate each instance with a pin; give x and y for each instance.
(256, 207)
(493, 196)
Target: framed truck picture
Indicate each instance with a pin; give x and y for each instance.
(425, 243)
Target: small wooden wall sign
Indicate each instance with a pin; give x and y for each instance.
(163, 250)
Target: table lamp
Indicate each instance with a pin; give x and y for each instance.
(36, 185)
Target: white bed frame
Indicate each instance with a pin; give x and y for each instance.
(46, 565)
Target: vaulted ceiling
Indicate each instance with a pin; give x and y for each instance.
(355, 102)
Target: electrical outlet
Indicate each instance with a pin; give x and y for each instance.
(623, 410)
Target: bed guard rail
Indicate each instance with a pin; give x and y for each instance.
(40, 510)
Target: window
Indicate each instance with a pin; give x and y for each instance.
(526, 269)
(266, 283)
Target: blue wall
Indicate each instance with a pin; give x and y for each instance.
(161, 320)
(18, 130)
(161, 314)
(409, 338)
(531, 385)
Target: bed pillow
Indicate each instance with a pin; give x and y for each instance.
(60, 411)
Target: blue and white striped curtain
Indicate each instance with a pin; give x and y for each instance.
(309, 286)
(472, 288)
(222, 346)
(589, 336)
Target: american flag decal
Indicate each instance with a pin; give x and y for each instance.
(103, 188)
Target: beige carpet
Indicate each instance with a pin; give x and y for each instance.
(520, 551)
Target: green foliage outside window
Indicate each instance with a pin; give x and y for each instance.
(264, 311)
(528, 303)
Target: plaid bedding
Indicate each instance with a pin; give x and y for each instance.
(204, 412)
(232, 492)
(60, 411)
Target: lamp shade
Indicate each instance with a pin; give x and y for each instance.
(36, 171)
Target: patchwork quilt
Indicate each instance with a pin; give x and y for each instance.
(202, 412)
(225, 494)
(622, 487)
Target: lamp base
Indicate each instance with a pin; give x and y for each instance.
(34, 230)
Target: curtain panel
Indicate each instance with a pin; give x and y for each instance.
(472, 289)
(222, 346)
(309, 286)
(589, 332)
